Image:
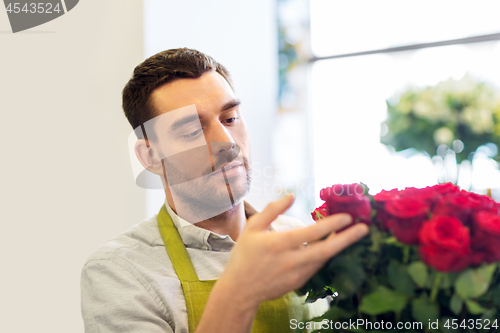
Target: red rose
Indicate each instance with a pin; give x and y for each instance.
(405, 216)
(430, 194)
(384, 195)
(426, 194)
(380, 199)
(482, 202)
(486, 236)
(454, 206)
(445, 188)
(445, 244)
(347, 199)
(461, 205)
(319, 212)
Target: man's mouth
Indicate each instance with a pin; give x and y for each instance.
(229, 170)
(231, 165)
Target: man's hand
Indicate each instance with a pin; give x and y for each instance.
(266, 265)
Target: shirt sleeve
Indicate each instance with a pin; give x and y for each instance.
(117, 299)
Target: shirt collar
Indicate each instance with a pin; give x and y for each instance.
(199, 238)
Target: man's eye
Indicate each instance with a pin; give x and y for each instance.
(192, 134)
(231, 120)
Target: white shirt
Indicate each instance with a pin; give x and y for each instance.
(129, 283)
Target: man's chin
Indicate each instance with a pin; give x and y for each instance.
(208, 197)
(233, 191)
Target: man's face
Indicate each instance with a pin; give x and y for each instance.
(202, 141)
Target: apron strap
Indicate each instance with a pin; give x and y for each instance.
(176, 250)
(272, 316)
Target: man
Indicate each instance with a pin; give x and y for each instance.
(207, 262)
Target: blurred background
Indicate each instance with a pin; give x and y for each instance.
(388, 93)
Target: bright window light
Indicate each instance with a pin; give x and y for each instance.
(340, 27)
(348, 102)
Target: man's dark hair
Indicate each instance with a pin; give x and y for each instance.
(157, 70)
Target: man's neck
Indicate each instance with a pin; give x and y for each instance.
(231, 222)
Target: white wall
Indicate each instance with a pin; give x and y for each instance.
(241, 35)
(66, 183)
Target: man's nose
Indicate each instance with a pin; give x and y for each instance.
(221, 141)
(219, 148)
(228, 150)
(223, 149)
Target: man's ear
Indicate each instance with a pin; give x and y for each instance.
(148, 157)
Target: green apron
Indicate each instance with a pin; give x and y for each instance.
(272, 316)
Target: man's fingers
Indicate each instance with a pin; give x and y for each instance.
(261, 221)
(333, 244)
(318, 230)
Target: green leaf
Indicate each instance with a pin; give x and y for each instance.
(365, 188)
(496, 296)
(383, 300)
(489, 314)
(376, 239)
(418, 272)
(312, 295)
(423, 310)
(391, 240)
(474, 307)
(317, 283)
(473, 283)
(447, 280)
(456, 304)
(399, 278)
(347, 271)
(430, 279)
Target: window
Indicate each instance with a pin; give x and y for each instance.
(366, 52)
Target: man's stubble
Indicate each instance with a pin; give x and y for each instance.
(207, 195)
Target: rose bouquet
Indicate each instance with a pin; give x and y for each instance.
(429, 263)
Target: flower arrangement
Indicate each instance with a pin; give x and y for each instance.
(461, 114)
(431, 258)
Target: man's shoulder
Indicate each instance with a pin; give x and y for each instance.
(140, 237)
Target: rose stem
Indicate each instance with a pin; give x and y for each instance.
(435, 286)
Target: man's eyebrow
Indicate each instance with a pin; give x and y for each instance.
(183, 121)
(186, 120)
(231, 104)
